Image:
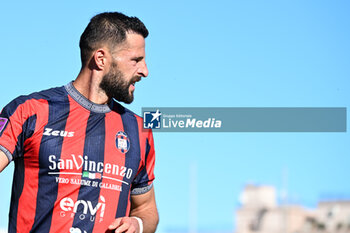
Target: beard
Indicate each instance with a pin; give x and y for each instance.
(114, 85)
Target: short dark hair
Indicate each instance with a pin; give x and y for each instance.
(109, 29)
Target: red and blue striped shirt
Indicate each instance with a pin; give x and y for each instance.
(76, 162)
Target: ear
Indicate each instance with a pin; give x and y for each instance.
(100, 59)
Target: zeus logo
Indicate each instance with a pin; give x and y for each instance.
(61, 133)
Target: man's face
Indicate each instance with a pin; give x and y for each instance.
(127, 68)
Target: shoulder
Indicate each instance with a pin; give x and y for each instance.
(146, 134)
(48, 94)
(35, 99)
(131, 118)
(138, 118)
(124, 112)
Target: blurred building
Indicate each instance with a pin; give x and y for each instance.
(260, 213)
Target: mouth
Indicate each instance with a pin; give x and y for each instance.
(135, 81)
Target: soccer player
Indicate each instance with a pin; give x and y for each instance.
(83, 163)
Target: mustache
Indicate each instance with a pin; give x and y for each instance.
(134, 79)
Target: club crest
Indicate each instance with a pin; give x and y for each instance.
(122, 142)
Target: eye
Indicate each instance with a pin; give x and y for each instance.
(137, 59)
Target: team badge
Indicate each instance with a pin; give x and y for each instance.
(3, 122)
(122, 142)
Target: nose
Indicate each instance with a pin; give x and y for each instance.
(143, 70)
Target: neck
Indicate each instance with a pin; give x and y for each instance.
(88, 84)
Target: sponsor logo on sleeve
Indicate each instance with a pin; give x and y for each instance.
(3, 122)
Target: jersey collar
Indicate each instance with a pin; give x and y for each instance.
(83, 101)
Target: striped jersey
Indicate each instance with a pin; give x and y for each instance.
(76, 162)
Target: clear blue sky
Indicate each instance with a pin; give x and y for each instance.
(206, 54)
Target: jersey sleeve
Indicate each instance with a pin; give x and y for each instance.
(17, 124)
(144, 179)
